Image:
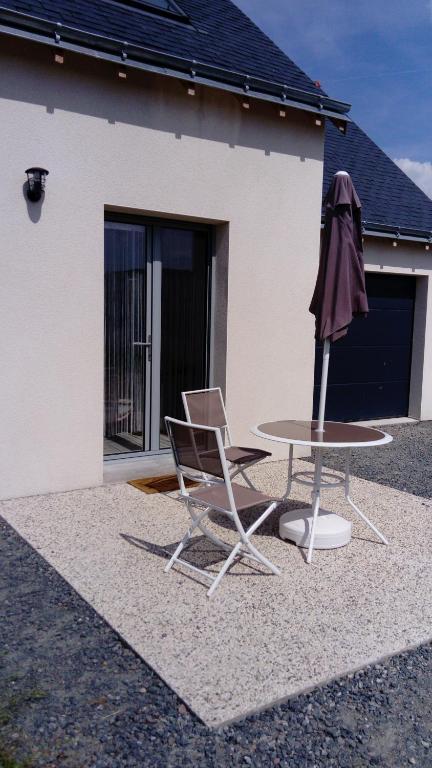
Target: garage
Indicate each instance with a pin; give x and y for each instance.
(370, 368)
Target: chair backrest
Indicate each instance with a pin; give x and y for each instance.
(206, 406)
(197, 447)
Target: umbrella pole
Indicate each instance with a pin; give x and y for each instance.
(323, 389)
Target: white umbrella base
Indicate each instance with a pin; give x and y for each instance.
(331, 530)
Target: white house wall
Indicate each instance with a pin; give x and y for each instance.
(146, 146)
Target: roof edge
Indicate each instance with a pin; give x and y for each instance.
(18, 24)
(375, 229)
(396, 233)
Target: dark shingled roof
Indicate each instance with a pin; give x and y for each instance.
(387, 195)
(218, 34)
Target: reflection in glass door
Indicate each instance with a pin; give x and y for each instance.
(184, 318)
(156, 329)
(127, 356)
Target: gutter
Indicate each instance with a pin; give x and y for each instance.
(397, 233)
(410, 234)
(22, 25)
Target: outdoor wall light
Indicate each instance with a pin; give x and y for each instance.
(36, 183)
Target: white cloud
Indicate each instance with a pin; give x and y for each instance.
(420, 173)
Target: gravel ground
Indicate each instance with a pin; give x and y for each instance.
(73, 694)
(404, 464)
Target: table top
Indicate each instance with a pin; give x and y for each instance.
(335, 435)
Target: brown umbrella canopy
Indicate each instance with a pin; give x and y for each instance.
(340, 287)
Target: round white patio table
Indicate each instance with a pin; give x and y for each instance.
(313, 526)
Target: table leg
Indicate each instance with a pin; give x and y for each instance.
(347, 471)
(289, 478)
(315, 500)
(313, 527)
(351, 503)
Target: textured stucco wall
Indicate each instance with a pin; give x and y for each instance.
(139, 146)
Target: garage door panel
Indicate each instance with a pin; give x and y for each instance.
(358, 402)
(361, 363)
(380, 328)
(385, 286)
(370, 368)
(385, 303)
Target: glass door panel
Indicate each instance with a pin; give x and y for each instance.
(184, 278)
(127, 342)
(156, 329)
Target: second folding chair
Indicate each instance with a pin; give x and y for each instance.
(206, 406)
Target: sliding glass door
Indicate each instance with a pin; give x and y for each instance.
(156, 328)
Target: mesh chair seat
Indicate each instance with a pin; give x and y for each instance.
(217, 496)
(237, 454)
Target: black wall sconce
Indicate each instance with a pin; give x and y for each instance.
(36, 183)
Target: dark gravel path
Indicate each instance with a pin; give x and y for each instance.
(72, 694)
(405, 464)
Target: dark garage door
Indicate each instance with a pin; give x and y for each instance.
(369, 373)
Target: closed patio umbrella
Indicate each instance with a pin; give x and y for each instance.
(340, 292)
(339, 296)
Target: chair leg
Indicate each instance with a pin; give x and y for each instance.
(254, 551)
(242, 471)
(247, 480)
(259, 556)
(188, 535)
(186, 538)
(248, 549)
(210, 535)
(213, 538)
(252, 528)
(224, 569)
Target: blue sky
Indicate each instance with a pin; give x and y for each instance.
(375, 54)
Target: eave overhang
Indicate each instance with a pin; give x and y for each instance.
(387, 231)
(375, 229)
(22, 25)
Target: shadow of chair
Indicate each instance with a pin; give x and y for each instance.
(201, 553)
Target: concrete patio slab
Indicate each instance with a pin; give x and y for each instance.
(262, 638)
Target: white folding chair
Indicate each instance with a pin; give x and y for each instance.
(199, 455)
(206, 406)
